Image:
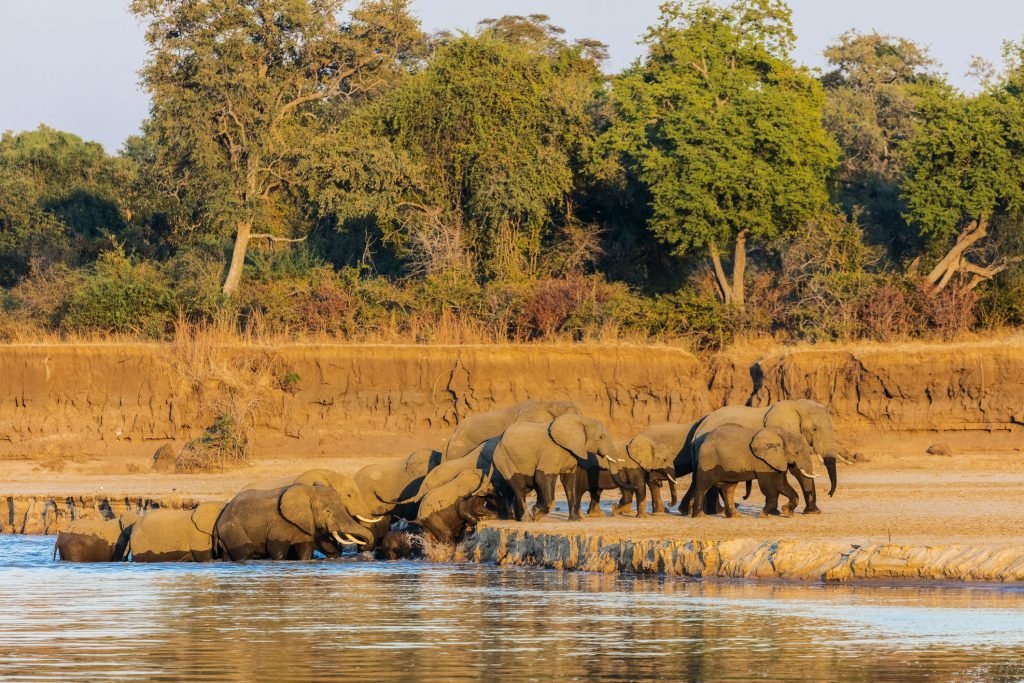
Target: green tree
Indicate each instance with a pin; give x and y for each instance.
(239, 87)
(724, 130)
(965, 174)
(871, 101)
(478, 155)
(61, 198)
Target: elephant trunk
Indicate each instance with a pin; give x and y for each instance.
(830, 467)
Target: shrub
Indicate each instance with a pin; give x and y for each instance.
(118, 296)
(223, 446)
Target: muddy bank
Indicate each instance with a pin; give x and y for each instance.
(61, 400)
(48, 515)
(820, 561)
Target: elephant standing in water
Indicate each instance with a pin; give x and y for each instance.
(448, 510)
(359, 506)
(95, 540)
(476, 429)
(530, 456)
(287, 524)
(807, 418)
(176, 535)
(398, 479)
(654, 457)
(730, 454)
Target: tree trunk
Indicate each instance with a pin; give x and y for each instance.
(953, 262)
(234, 276)
(739, 269)
(724, 288)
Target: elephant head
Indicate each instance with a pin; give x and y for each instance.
(780, 448)
(357, 505)
(320, 512)
(545, 411)
(644, 453)
(587, 439)
(811, 420)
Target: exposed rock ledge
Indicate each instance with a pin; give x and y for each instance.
(747, 558)
(44, 515)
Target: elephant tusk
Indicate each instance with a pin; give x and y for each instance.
(671, 478)
(807, 474)
(820, 458)
(611, 459)
(342, 541)
(353, 539)
(845, 460)
(368, 520)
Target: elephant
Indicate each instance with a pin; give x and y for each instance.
(95, 540)
(448, 510)
(475, 430)
(731, 453)
(399, 545)
(479, 460)
(395, 480)
(176, 535)
(286, 524)
(531, 455)
(367, 512)
(653, 457)
(805, 417)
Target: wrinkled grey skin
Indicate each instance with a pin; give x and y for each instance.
(448, 511)
(474, 430)
(176, 535)
(286, 524)
(804, 417)
(364, 508)
(395, 480)
(731, 454)
(529, 457)
(95, 540)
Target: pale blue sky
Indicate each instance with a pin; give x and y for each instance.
(73, 63)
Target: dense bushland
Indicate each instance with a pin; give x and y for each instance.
(306, 176)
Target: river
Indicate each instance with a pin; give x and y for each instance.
(408, 621)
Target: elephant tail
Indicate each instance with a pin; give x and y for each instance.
(750, 486)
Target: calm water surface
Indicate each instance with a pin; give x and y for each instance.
(366, 621)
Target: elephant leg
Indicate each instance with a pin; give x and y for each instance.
(545, 484)
(303, 552)
(625, 501)
(790, 493)
(278, 550)
(573, 484)
(657, 507)
(711, 501)
(673, 494)
(686, 504)
(728, 495)
(810, 493)
(768, 483)
(702, 482)
(518, 486)
(641, 498)
(595, 504)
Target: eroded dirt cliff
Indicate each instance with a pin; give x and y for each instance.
(57, 398)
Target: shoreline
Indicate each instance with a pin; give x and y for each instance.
(628, 551)
(749, 559)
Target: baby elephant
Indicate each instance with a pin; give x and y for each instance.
(95, 540)
(730, 454)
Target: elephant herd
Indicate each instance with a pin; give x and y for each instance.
(490, 465)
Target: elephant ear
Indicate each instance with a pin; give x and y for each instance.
(641, 451)
(570, 433)
(204, 517)
(768, 446)
(295, 506)
(784, 416)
